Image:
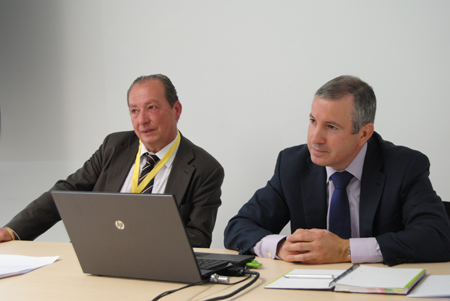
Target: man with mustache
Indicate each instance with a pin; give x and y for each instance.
(387, 210)
(184, 170)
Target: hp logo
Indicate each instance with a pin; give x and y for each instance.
(120, 225)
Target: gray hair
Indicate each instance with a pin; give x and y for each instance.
(169, 88)
(365, 102)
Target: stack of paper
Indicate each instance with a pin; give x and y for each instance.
(11, 265)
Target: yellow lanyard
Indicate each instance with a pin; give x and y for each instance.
(135, 188)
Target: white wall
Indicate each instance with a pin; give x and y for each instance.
(245, 71)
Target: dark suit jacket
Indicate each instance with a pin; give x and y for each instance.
(195, 180)
(398, 205)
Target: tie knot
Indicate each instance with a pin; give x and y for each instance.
(341, 179)
(151, 159)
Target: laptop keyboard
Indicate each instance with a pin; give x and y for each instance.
(211, 264)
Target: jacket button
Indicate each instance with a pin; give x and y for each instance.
(398, 260)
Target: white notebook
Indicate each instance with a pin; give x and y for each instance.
(357, 279)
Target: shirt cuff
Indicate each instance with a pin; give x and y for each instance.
(11, 232)
(267, 246)
(365, 250)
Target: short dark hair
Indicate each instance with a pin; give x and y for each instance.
(169, 88)
(365, 102)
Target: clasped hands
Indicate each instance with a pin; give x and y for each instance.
(314, 246)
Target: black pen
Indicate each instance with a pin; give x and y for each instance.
(348, 271)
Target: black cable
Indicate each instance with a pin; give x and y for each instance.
(249, 273)
(237, 282)
(239, 289)
(178, 289)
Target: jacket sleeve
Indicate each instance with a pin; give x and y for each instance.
(264, 214)
(41, 214)
(425, 232)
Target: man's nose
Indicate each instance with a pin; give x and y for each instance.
(317, 135)
(143, 118)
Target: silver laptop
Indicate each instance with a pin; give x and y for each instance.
(135, 236)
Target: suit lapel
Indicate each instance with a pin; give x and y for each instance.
(313, 187)
(181, 172)
(313, 183)
(372, 186)
(122, 160)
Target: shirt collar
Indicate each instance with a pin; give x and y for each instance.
(163, 151)
(355, 167)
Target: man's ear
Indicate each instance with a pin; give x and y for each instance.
(178, 108)
(365, 132)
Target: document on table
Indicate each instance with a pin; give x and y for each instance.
(433, 286)
(11, 265)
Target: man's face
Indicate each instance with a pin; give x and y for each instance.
(330, 138)
(154, 121)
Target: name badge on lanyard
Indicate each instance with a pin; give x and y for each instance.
(135, 188)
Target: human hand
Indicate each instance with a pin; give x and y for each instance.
(5, 235)
(314, 246)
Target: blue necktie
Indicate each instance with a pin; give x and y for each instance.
(151, 162)
(339, 219)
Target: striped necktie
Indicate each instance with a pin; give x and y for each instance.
(149, 164)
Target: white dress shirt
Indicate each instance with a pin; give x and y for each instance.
(161, 177)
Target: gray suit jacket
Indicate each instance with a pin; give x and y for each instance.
(195, 180)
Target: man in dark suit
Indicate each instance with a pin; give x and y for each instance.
(190, 173)
(393, 213)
